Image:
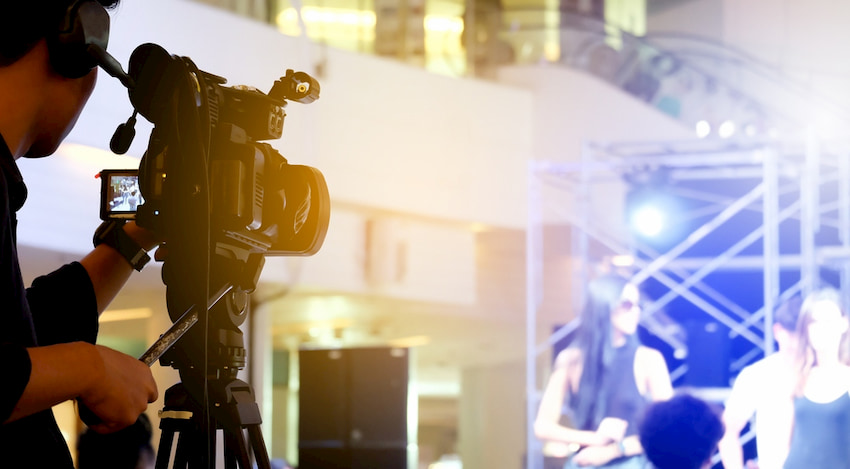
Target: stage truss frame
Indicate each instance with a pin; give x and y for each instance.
(811, 163)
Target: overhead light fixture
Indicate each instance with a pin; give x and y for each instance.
(703, 129)
(726, 129)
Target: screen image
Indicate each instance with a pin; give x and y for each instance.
(123, 195)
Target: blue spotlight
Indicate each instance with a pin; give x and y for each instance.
(651, 206)
(648, 220)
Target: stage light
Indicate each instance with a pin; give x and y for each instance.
(703, 128)
(652, 207)
(648, 220)
(726, 129)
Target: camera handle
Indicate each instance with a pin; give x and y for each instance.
(177, 329)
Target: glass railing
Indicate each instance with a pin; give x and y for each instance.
(713, 89)
(716, 90)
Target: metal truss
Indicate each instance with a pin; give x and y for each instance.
(787, 189)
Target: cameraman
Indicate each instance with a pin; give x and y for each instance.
(47, 332)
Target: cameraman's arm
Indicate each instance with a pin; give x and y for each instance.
(109, 270)
(115, 386)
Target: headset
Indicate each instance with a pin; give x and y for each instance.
(79, 43)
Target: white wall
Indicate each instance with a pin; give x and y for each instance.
(571, 107)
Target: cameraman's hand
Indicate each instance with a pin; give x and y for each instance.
(142, 236)
(119, 390)
(114, 386)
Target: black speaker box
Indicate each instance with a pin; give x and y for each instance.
(353, 408)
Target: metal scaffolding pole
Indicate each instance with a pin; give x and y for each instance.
(770, 222)
(844, 219)
(534, 287)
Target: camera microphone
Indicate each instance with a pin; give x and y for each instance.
(123, 136)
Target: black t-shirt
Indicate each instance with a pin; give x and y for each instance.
(58, 308)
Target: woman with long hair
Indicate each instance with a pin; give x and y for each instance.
(820, 432)
(603, 383)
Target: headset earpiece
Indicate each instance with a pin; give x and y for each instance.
(80, 40)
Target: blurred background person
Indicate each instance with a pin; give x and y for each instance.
(761, 389)
(604, 381)
(820, 427)
(681, 433)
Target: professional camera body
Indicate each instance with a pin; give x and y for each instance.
(257, 200)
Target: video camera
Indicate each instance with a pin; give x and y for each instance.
(209, 136)
(220, 198)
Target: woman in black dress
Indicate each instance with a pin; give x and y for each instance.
(603, 382)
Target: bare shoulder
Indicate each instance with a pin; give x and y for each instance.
(568, 358)
(651, 364)
(649, 356)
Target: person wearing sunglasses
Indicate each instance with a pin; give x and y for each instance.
(601, 385)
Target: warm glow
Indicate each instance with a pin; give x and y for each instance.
(125, 314)
(443, 24)
(552, 51)
(287, 20)
(412, 341)
(354, 29)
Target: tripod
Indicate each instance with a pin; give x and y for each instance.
(210, 397)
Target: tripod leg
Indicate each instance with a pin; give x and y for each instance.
(255, 434)
(184, 452)
(163, 454)
(235, 450)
